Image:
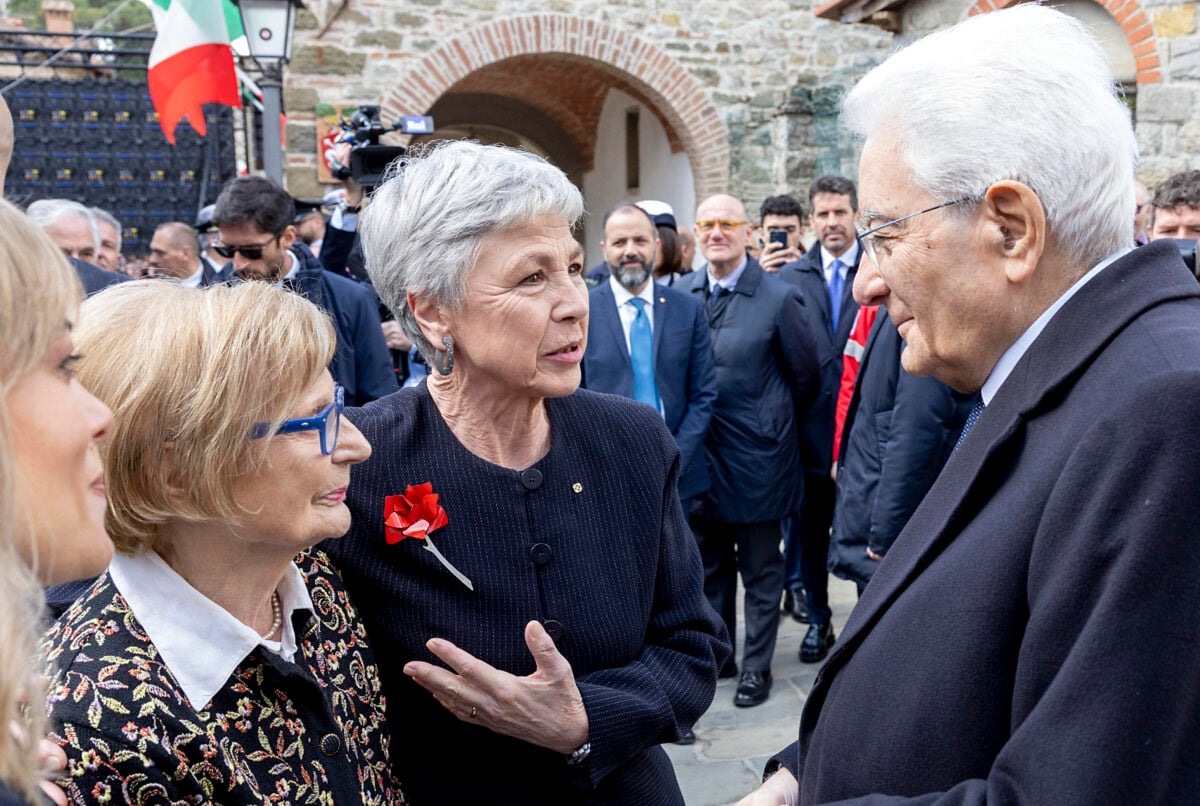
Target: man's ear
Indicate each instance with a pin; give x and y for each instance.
(1017, 222)
(431, 317)
(287, 237)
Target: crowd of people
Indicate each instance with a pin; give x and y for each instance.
(408, 505)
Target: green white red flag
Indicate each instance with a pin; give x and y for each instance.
(191, 62)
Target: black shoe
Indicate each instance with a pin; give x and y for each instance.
(753, 689)
(728, 671)
(816, 643)
(687, 737)
(793, 605)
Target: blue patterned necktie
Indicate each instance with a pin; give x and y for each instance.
(972, 418)
(835, 292)
(641, 355)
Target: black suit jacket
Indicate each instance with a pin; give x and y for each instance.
(591, 541)
(683, 370)
(767, 373)
(1030, 636)
(807, 274)
(93, 277)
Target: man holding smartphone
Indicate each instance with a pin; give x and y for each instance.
(781, 226)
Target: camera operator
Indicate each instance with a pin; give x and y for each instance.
(359, 162)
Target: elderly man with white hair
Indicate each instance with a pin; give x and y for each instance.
(74, 230)
(1029, 637)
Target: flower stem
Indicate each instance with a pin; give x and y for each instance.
(442, 559)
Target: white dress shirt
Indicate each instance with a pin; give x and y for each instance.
(194, 280)
(201, 642)
(627, 310)
(1018, 348)
(848, 257)
(729, 281)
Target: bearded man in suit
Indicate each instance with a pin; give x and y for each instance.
(650, 343)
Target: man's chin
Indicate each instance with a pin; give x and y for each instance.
(632, 279)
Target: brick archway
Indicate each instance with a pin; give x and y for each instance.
(624, 60)
(1133, 21)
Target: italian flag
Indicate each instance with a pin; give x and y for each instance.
(191, 62)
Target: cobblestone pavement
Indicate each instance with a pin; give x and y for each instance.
(733, 744)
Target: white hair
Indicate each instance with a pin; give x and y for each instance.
(1024, 94)
(423, 228)
(44, 212)
(110, 219)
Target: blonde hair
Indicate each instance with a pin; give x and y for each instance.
(39, 296)
(188, 374)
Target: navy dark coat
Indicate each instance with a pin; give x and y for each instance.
(767, 374)
(93, 277)
(683, 370)
(211, 275)
(362, 363)
(807, 274)
(591, 541)
(1030, 636)
(899, 431)
(10, 798)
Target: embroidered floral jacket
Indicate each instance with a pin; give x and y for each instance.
(310, 732)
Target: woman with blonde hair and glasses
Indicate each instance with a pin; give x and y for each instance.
(51, 482)
(211, 664)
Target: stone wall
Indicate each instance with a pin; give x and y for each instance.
(751, 98)
(771, 79)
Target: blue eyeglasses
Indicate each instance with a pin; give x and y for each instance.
(328, 423)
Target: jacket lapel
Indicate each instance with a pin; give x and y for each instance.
(817, 280)
(610, 320)
(660, 321)
(849, 306)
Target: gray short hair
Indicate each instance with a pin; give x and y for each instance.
(110, 219)
(425, 223)
(1024, 94)
(44, 212)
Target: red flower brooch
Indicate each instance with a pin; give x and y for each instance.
(416, 514)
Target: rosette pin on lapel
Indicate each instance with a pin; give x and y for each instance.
(417, 513)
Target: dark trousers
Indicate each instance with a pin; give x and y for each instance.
(806, 544)
(751, 549)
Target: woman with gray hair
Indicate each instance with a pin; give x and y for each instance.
(517, 543)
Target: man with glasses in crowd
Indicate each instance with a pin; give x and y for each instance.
(254, 220)
(767, 373)
(1029, 636)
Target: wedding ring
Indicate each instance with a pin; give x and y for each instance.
(474, 711)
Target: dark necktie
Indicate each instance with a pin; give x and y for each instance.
(835, 292)
(641, 355)
(972, 418)
(718, 298)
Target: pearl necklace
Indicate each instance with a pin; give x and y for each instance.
(277, 611)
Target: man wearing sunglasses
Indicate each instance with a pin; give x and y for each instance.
(1030, 635)
(767, 373)
(254, 220)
